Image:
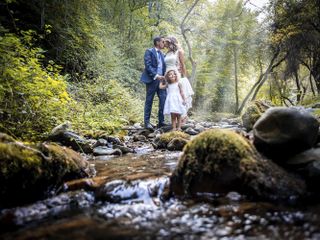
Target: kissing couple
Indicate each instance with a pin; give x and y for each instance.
(165, 74)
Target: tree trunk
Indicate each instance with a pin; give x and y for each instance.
(42, 18)
(311, 84)
(262, 78)
(296, 78)
(316, 76)
(236, 90)
(183, 32)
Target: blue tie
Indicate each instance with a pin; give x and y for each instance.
(160, 64)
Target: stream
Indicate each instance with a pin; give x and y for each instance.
(130, 206)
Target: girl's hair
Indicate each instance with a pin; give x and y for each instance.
(172, 44)
(167, 77)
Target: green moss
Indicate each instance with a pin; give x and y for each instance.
(167, 137)
(211, 153)
(316, 113)
(20, 167)
(62, 161)
(26, 171)
(253, 112)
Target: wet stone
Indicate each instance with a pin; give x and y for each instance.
(234, 196)
(191, 131)
(199, 128)
(123, 149)
(139, 138)
(98, 151)
(100, 142)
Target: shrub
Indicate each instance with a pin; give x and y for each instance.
(33, 98)
(104, 105)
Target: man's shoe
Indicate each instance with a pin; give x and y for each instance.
(149, 126)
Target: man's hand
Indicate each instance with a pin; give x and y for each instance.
(160, 78)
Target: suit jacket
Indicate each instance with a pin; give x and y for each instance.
(151, 65)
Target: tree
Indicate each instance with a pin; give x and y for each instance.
(296, 27)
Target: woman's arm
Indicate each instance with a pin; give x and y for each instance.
(182, 65)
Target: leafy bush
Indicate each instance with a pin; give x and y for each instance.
(33, 98)
(103, 105)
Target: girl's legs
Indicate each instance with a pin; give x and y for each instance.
(173, 122)
(178, 116)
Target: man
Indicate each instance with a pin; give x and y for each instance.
(152, 75)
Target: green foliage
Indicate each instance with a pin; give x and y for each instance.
(229, 51)
(295, 29)
(104, 105)
(33, 98)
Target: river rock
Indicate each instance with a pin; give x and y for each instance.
(139, 138)
(187, 125)
(70, 139)
(199, 128)
(123, 149)
(283, 132)
(220, 161)
(164, 139)
(112, 140)
(177, 144)
(30, 173)
(103, 150)
(307, 164)
(144, 132)
(100, 142)
(191, 131)
(253, 112)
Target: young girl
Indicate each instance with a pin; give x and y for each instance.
(175, 101)
(176, 55)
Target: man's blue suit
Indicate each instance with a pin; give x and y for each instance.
(151, 61)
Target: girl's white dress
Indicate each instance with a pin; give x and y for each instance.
(174, 101)
(172, 63)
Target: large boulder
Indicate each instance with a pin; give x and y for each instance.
(253, 112)
(307, 164)
(30, 173)
(283, 132)
(220, 161)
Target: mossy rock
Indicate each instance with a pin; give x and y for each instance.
(220, 161)
(164, 139)
(27, 174)
(63, 163)
(73, 140)
(253, 112)
(177, 144)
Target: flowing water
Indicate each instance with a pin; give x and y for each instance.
(129, 206)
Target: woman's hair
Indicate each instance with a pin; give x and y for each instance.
(172, 44)
(167, 73)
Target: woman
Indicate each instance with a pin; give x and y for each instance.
(174, 59)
